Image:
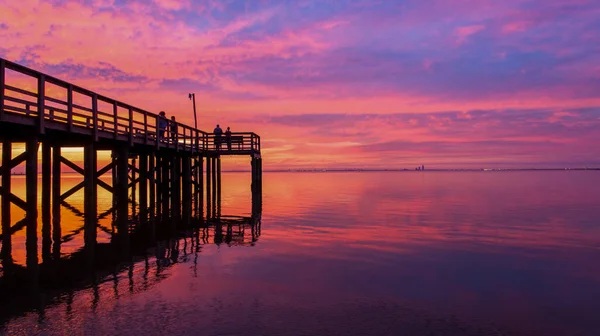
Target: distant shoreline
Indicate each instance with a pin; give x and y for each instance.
(359, 170)
(339, 170)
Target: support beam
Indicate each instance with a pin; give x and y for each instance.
(208, 176)
(143, 186)
(133, 185)
(46, 193)
(2, 83)
(158, 184)
(214, 187)
(165, 186)
(175, 188)
(6, 190)
(152, 181)
(186, 189)
(56, 229)
(218, 194)
(121, 189)
(31, 178)
(13, 162)
(90, 193)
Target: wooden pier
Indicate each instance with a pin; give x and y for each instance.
(161, 175)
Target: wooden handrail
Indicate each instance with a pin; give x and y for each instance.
(96, 120)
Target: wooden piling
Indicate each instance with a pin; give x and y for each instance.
(186, 171)
(143, 189)
(56, 192)
(31, 178)
(46, 194)
(122, 188)
(208, 184)
(175, 187)
(218, 194)
(152, 182)
(6, 191)
(165, 185)
(90, 168)
(214, 188)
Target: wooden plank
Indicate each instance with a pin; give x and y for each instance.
(19, 90)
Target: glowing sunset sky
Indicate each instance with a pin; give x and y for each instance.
(445, 83)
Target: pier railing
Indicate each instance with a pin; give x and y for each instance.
(32, 98)
(237, 141)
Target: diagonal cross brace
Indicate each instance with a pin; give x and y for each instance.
(14, 199)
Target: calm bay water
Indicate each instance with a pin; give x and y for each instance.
(372, 253)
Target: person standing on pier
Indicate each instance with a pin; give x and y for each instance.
(162, 125)
(228, 138)
(218, 132)
(173, 129)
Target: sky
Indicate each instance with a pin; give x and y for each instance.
(341, 84)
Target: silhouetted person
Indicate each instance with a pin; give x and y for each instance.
(228, 138)
(162, 124)
(218, 132)
(173, 128)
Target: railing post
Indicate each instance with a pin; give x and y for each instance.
(156, 131)
(2, 83)
(115, 119)
(145, 127)
(70, 108)
(95, 116)
(251, 141)
(130, 126)
(41, 103)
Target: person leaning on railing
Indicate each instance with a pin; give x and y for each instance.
(218, 132)
(173, 129)
(162, 124)
(228, 138)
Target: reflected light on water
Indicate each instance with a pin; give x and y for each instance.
(386, 253)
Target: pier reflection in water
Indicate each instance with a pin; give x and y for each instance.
(47, 264)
